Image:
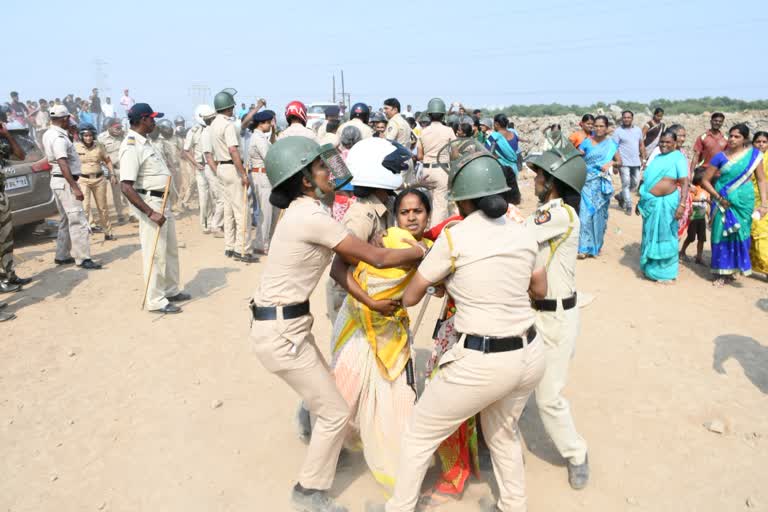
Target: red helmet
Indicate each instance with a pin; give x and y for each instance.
(296, 109)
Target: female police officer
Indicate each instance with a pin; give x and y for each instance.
(487, 263)
(302, 175)
(560, 175)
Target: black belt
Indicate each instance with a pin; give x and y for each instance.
(153, 193)
(270, 312)
(551, 304)
(226, 162)
(487, 344)
(431, 166)
(93, 176)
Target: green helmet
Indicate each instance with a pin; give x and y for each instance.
(223, 101)
(436, 106)
(473, 172)
(453, 118)
(564, 163)
(291, 155)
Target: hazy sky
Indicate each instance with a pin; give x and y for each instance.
(485, 53)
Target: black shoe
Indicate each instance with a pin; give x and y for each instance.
(229, 254)
(97, 229)
(4, 317)
(578, 474)
(245, 258)
(168, 309)
(67, 261)
(311, 500)
(89, 264)
(109, 238)
(3, 305)
(14, 279)
(8, 287)
(179, 297)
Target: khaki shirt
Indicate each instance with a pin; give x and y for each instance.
(171, 151)
(224, 135)
(91, 158)
(433, 138)
(141, 163)
(112, 146)
(299, 253)
(493, 261)
(192, 141)
(56, 144)
(257, 151)
(399, 130)
(205, 141)
(365, 130)
(367, 217)
(298, 130)
(329, 138)
(555, 225)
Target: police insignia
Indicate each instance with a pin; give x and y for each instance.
(370, 215)
(131, 141)
(543, 217)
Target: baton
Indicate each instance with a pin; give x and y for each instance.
(410, 377)
(157, 237)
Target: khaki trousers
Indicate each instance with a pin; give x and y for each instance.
(559, 330)
(496, 385)
(188, 174)
(436, 180)
(204, 200)
(164, 281)
(73, 239)
(217, 198)
(268, 213)
(303, 368)
(232, 190)
(117, 195)
(96, 187)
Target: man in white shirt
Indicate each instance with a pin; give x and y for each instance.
(126, 102)
(107, 108)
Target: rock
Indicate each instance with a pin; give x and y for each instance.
(54, 478)
(631, 501)
(103, 505)
(716, 426)
(750, 503)
(216, 404)
(72, 353)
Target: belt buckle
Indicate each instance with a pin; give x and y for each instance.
(486, 346)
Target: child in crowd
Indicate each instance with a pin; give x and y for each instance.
(697, 229)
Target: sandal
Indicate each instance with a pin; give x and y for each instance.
(435, 498)
(581, 256)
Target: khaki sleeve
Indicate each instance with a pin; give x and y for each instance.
(437, 265)
(230, 136)
(129, 162)
(391, 131)
(322, 229)
(359, 222)
(188, 140)
(206, 144)
(60, 146)
(548, 225)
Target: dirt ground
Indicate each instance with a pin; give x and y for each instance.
(106, 407)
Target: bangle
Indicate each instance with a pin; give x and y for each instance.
(423, 250)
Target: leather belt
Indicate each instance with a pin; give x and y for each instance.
(226, 162)
(551, 304)
(93, 176)
(259, 169)
(488, 344)
(270, 312)
(153, 193)
(431, 166)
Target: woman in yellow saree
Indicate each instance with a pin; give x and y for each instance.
(371, 344)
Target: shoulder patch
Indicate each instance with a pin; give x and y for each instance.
(131, 141)
(370, 215)
(542, 217)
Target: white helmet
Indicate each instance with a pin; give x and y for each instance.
(203, 111)
(376, 163)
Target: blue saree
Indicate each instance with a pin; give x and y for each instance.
(659, 249)
(596, 195)
(500, 146)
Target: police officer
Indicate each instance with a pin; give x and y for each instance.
(359, 116)
(193, 154)
(300, 172)
(73, 243)
(170, 147)
(111, 139)
(10, 150)
(92, 156)
(433, 138)
(560, 175)
(257, 154)
(331, 114)
(379, 123)
(398, 128)
(225, 142)
(375, 165)
(145, 177)
(488, 265)
(296, 116)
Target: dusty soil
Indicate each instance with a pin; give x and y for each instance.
(106, 407)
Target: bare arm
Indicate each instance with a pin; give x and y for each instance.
(415, 290)
(108, 163)
(762, 188)
(538, 287)
(341, 273)
(16, 150)
(189, 156)
(695, 160)
(419, 151)
(354, 250)
(211, 162)
(706, 182)
(683, 183)
(135, 199)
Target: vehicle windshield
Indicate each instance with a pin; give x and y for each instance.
(28, 144)
(317, 109)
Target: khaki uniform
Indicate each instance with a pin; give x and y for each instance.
(329, 138)
(215, 186)
(399, 130)
(556, 228)
(193, 141)
(93, 182)
(141, 164)
(366, 218)
(223, 136)
(365, 130)
(298, 130)
(433, 177)
(74, 236)
(493, 261)
(257, 153)
(112, 146)
(301, 251)
(6, 227)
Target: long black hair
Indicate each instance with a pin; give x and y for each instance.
(284, 194)
(568, 194)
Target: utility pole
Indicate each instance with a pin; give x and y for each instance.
(343, 91)
(334, 87)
